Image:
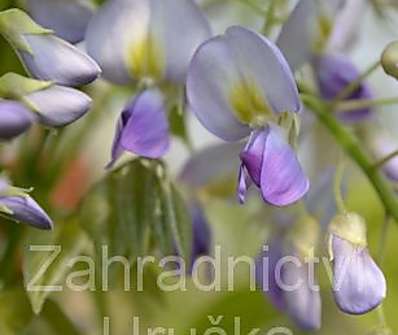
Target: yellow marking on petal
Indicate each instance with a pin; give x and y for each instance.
(249, 103)
(325, 27)
(146, 59)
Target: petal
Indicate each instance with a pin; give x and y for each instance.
(244, 183)
(211, 164)
(27, 210)
(59, 106)
(282, 179)
(334, 73)
(107, 40)
(298, 34)
(201, 232)
(69, 19)
(15, 119)
(147, 132)
(56, 60)
(358, 284)
(252, 155)
(304, 301)
(168, 20)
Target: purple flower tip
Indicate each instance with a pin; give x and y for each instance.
(272, 165)
(15, 119)
(359, 285)
(142, 128)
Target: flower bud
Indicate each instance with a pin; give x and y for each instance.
(15, 119)
(358, 283)
(389, 59)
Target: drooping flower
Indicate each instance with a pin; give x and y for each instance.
(68, 19)
(239, 84)
(44, 55)
(142, 127)
(17, 205)
(15, 119)
(358, 283)
(149, 53)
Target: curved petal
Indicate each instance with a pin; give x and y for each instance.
(298, 34)
(303, 303)
(69, 19)
(143, 127)
(210, 76)
(358, 284)
(282, 179)
(27, 210)
(168, 20)
(15, 119)
(56, 60)
(59, 106)
(201, 239)
(113, 28)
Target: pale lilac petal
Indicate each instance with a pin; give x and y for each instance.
(303, 302)
(143, 127)
(282, 179)
(358, 284)
(59, 106)
(244, 183)
(114, 27)
(211, 164)
(26, 210)
(211, 74)
(68, 19)
(56, 60)
(201, 234)
(252, 155)
(15, 119)
(298, 34)
(334, 73)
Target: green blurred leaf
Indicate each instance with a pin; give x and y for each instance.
(15, 86)
(69, 240)
(15, 312)
(177, 122)
(136, 210)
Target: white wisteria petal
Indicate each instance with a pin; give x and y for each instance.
(298, 34)
(56, 60)
(69, 19)
(59, 106)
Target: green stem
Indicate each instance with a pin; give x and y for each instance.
(269, 19)
(337, 188)
(352, 105)
(351, 146)
(386, 159)
(354, 85)
(254, 7)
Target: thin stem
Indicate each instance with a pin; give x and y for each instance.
(353, 105)
(351, 146)
(338, 178)
(269, 19)
(260, 11)
(353, 86)
(385, 160)
(383, 239)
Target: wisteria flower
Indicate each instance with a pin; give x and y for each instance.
(148, 53)
(15, 119)
(17, 205)
(358, 283)
(239, 84)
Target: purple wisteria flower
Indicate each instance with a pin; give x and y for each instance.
(336, 72)
(17, 205)
(15, 119)
(147, 53)
(239, 84)
(358, 283)
(68, 19)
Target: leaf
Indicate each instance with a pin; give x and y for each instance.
(68, 239)
(15, 86)
(15, 312)
(136, 210)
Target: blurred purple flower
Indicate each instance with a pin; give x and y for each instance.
(19, 206)
(15, 119)
(230, 91)
(69, 19)
(142, 128)
(334, 73)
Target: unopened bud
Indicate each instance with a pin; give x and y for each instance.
(350, 227)
(389, 59)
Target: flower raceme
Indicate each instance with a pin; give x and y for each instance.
(239, 84)
(149, 54)
(17, 205)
